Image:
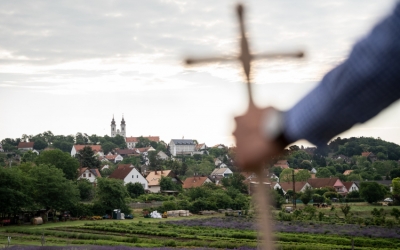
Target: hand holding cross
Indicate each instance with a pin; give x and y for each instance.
(253, 149)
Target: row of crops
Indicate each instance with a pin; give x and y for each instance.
(200, 233)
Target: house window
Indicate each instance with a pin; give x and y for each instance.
(137, 176)
(133, 176)
(84, 175)
(90, 175)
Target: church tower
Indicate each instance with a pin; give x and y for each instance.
(123, 127)
(113, 128)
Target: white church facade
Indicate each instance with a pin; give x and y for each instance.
(115, 131)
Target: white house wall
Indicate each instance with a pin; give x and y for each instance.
(88, 176)
(155, 189)
(134, 176)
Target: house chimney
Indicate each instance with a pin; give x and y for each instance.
(162, 172)
(155, 172)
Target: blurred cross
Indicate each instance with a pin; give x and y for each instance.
(245, 58)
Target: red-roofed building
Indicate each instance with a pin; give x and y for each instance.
(300, 186)
(335, 183)
(195, 181)
(25, 146)
(282, 164)
(96, 149)
(129, 174)
(369, 155)
(132, 141)
(351, 186)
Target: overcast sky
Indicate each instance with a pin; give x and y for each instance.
(69, 66)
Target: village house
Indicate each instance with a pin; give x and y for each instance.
(300, 186)
(95, 148)
(370, 156)
(342, 158)
(144, 151)
(89, 174)
(154, 177)
(350, 186)
(132, 141)
(223, 172)
(201, 147)
(181, 146)
(347, 172)
(282, 164)
(125, 152)
(162, 156)
(335, 183)
(129, 174)
(252, 186)
(25, 146)
(217, 161)
(195, 181)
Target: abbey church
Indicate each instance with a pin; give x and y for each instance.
(115, 131)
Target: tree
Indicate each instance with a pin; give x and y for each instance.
(111, 194)
(345, 209)
(86, 190)
(15, 190)
(108, 147)
(286, 175)
(60, 160)
(302, 175)
(87, 158)
(372, 191)
(143, 142)
(323, 173)
(166, 183)
(353, 194)
(395, 173)
(235, 181)
(29, 156)
(396, 188)
(306, 165)
(307, 195)
(134, 189)
(51, 189)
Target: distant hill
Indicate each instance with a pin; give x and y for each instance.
(357, 145)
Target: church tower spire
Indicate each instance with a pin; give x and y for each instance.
(113, 127)
(123, 127)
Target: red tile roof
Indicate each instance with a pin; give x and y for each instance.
(142, 150)
(124, 165)
(136, 139)
(365, 154)
(322, 182)
(289, 185)
(348, 185)
(154, 177)
(95, 148)
(195, 181)
(110, 157)
(121, 172)
(125, 151)
(25, 144)
(94, 171)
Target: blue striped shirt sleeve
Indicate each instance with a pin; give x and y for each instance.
(353, 92)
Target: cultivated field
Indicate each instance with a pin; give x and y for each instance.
(206, 232)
